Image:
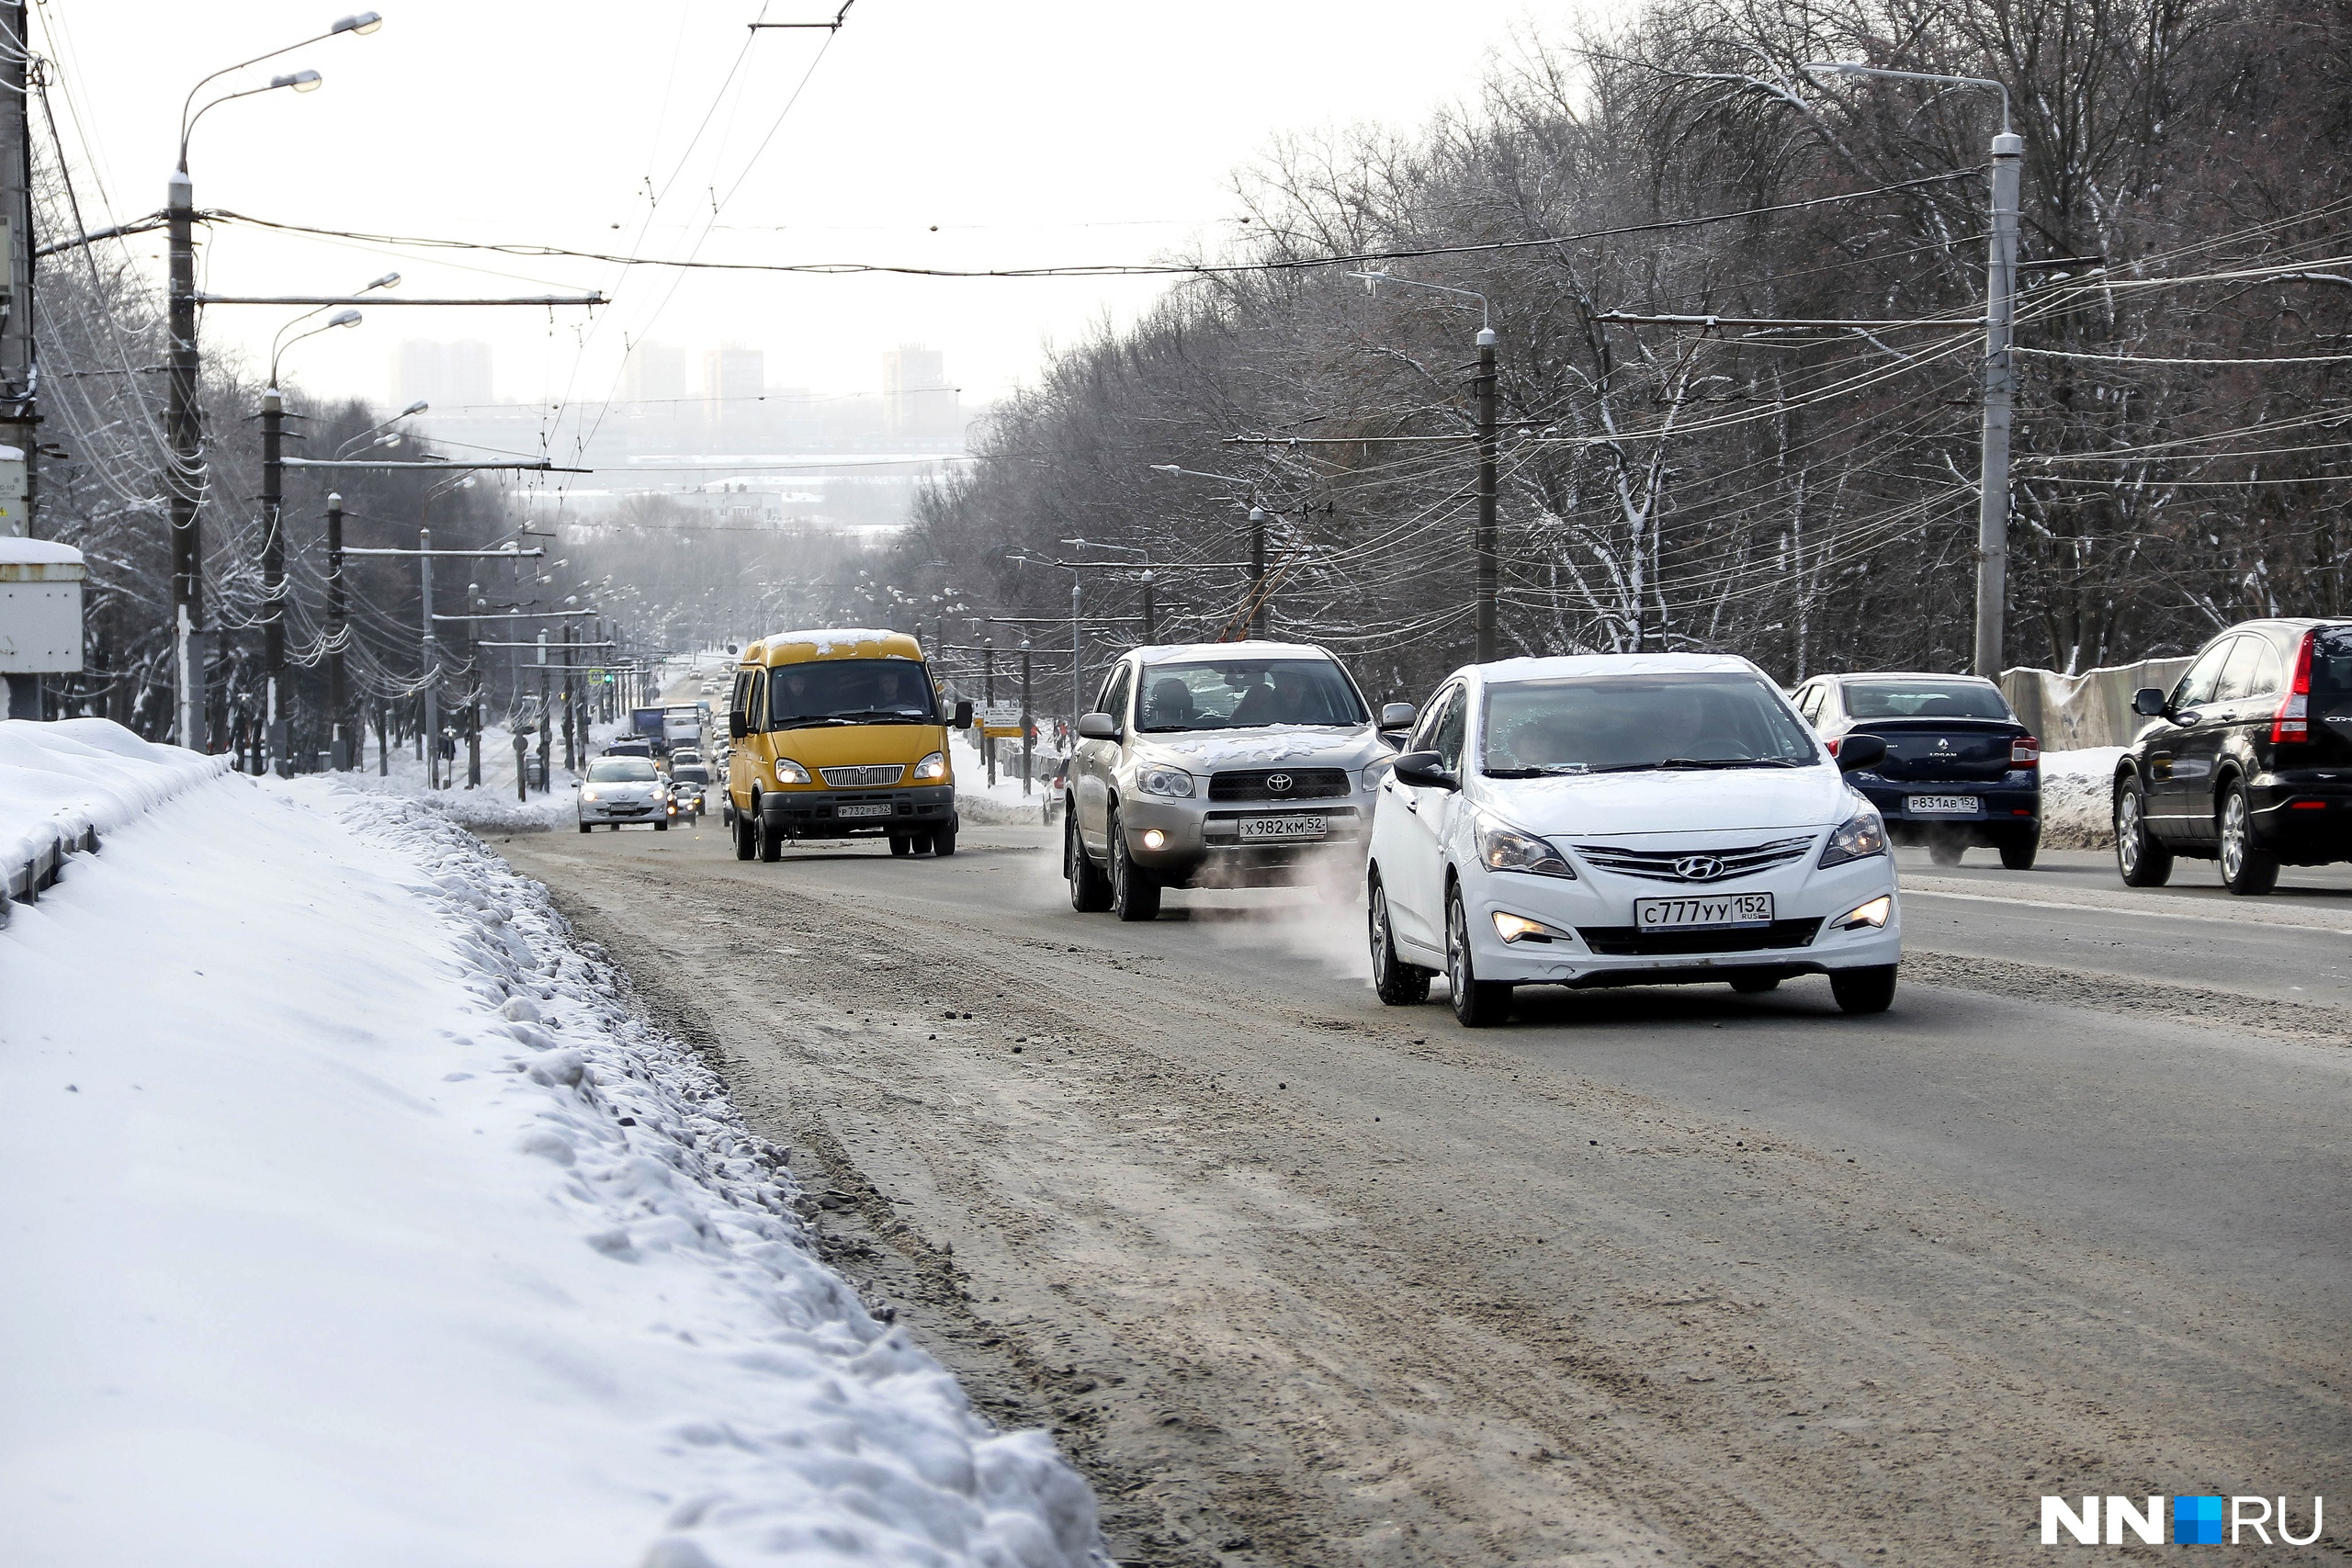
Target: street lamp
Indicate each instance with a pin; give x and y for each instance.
(1482, 391)
(2000, 376)
(1150, 615)
(354, 444)
(1256, 538)
(185, 466)
(273, 536)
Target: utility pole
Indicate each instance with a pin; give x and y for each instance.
(1257, 571)
(570, 745)
(546, 779)
(2000, 315)
(431, 665)
(1483, 546)
(272, 573)
(19, 380)
(988, 696)
(473, 692)
(1077, 656)
(1028, 723)
(185, 464)
(1151, 612)
(337, 700)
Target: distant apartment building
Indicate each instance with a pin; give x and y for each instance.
(917, 401)
(656, 373)
(452, 376)
(733, 381)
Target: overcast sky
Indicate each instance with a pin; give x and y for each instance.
(1025, 133)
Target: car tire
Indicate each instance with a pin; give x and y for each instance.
(2245, 870)
(1864, 991)
(1755, 984)
(768, 835)
(1090, 890)
(1478, 1004)
(942, 842)
(1135, 893)
(587, 828)
(744, 846)
(2018, 853)
(2140, 858)
(1945, 849)
(1394, 981)
(900, 844)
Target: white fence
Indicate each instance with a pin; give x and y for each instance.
(2094, 708)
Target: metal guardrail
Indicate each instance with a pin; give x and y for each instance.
(23, 883)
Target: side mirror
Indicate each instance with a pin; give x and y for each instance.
(1097, 726)
(1424, 770)
(1398, 716)
(735, 728)
(2148, 703)
(1855, 752)
(963, 715)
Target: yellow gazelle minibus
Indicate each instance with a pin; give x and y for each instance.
(838, 734)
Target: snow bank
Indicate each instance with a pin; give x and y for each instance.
(977, 800)
(353, 1220)
(60, 781)
(2077, 798)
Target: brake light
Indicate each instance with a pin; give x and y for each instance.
(1833, 747)
(2292, 722)
(2025, 752)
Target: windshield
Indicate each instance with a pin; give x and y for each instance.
(849, 691)
(1923, 699)
(1243, 694)
(1626, 723)
(621, 769)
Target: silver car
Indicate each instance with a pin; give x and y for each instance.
(1232, 764)
(625, 789)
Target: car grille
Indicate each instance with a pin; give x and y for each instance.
(1279, 783)
(864, 777)
(1695, 866)
(1632, 942)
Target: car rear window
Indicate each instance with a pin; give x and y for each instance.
(1625, 723)
(1923, 699)
(1244, 693)
(2332, 663)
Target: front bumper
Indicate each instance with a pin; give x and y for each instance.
(818, 814)
(1200, 843)
(1595, 941)
(624, 811)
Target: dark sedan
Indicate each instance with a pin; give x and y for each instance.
(1959, 769)
(2248, 760)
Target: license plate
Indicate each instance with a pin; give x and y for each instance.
(1703, 914)
(1942, 806)
(878, 808)
(1284, 828)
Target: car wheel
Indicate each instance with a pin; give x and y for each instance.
(943, 842)
(1135, 896)
(585, 828)
(2245, 870)
(1478, 1004)
(1396, 982)
(768, 835)
(2018, 853)
(2142, 859)
(902, 845)
(1755, 984)
(1090, 890)
(661, 826)
(745, 848)
(1945, 849)
(1863, 990)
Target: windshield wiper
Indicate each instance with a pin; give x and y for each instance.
(1701, 762)
(868, 715)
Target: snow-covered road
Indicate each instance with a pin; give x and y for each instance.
(353, 1218)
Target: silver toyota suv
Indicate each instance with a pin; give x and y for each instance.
(1221, 764)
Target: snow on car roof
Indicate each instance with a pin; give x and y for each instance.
(1160, 653)
(835, 642)
(1567, 665)
(1907, 675)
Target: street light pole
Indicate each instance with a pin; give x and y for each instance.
(1482, 545)
(1257, 571)
(432, 676)
(340, 747)
(2000, 376)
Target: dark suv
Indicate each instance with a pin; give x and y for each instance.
(1959, 769)
(2249, 761)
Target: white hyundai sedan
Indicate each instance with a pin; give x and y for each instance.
(1619, 819)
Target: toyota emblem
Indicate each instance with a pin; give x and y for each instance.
(1698, 868)
(1278, 782)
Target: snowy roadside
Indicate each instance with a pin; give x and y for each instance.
(1002, 803)
(66, 780)
(357, 1221)
(2077, 803)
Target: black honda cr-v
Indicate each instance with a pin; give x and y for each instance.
(2248, 760)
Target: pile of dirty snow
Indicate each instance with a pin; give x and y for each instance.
(2077, 798)
(355, 1219)
(977, 800)
(60, 781)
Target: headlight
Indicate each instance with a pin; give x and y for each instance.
(590, 794)
(1164, 781)
(1861, 836)
(789, 771)
(933, 767)
(1507, 849)
(1519, 928)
